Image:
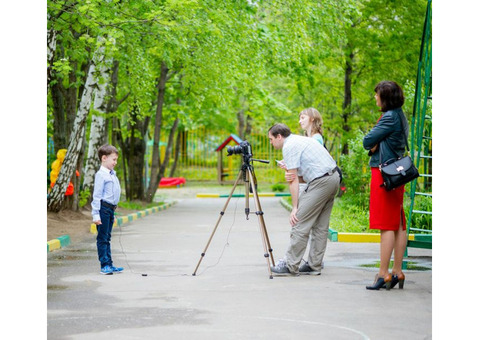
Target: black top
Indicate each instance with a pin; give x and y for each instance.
(391, 132)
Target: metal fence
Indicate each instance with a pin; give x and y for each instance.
(198, 159)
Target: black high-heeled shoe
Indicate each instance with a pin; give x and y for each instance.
(400, 279)
(381, 282)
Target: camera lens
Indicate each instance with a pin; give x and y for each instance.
(234, 150)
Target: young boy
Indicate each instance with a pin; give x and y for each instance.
(106, 194)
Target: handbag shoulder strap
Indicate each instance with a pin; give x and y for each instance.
(402, 118)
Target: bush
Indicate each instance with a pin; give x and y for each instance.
(419, 221)
(278, 187)
(83, 197)
(356, 173)
(348, 218)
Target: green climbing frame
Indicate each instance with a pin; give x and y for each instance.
(420, 211)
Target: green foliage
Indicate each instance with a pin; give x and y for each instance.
(278, 187)
(83, 196)
(349, 218)
(137, 205)
(197, 173)
(267, 59)
(419, 221)
(346, 217)
(356, 173)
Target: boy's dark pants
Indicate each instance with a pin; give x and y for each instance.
(104, 233)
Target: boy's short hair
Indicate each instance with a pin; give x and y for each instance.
(106, 150)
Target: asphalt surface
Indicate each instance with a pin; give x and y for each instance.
(231, 296)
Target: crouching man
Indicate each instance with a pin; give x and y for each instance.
(305, 159)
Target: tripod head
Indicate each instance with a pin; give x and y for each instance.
(244, 149)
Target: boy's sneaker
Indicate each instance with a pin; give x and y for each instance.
(116, 269)
(107, 270)
(280, 268)
(305, 269)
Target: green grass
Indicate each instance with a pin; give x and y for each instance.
(347, 218)
(410, 265)
(137, 205)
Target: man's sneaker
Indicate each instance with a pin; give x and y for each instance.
(305, 269)
(116, 269)
(280, 268)
(107, 270)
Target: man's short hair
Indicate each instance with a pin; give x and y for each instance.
(280, 129)
(106, 150)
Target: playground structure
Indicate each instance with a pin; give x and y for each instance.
(223, 171)
(421, 139)
(56, 166)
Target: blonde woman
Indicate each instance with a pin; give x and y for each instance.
(312, 123)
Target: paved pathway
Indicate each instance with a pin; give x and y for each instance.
(232, 296)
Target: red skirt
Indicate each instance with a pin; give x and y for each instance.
(386, 207)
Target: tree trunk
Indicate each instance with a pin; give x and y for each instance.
(177, 153)
(118, 139)
(135, 153)
(241, 123)
(71, 98)
(97, 129)
(59, 124)
(347, 97)
(248, 128)
(168, 151)
(67, 170)
(51, 46)
(155, 168)
(244, 124)
(75, 204)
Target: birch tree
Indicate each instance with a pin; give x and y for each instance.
(97, 127)
(57, 195)
(51, 46)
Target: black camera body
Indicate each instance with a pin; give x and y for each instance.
(244, 148)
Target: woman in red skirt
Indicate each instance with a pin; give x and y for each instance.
(385, 141)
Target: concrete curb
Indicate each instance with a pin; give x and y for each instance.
(57, 243)
(64, 240)
(335, 236)
(132, 217)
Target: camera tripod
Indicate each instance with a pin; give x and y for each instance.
(249, 182)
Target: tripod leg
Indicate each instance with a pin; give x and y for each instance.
(218, 222)
(263, 229)
(247, 199)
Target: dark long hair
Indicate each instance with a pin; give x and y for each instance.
(391, 95)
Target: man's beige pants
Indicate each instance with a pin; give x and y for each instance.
(314, 209)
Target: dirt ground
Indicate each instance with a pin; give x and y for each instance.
(76, 224)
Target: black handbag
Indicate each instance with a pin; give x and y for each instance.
(396, 172)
